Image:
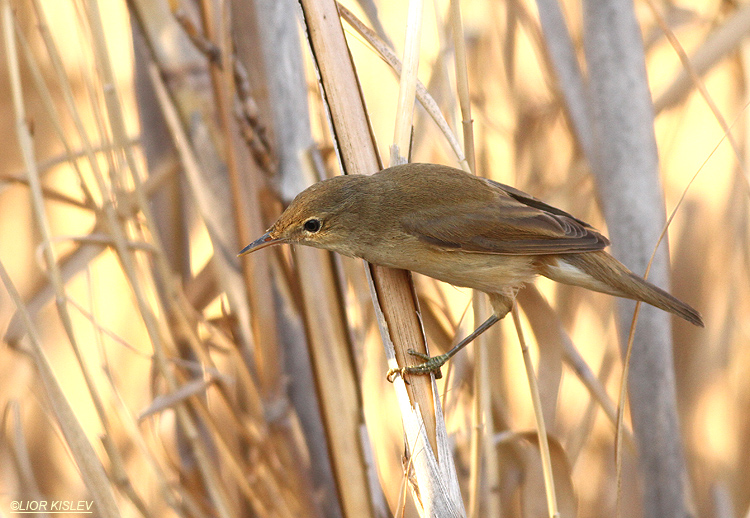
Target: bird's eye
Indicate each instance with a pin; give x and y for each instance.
(312, 225)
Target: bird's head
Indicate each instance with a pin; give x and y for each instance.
(324, 216)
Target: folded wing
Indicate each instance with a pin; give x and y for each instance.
(514, 223)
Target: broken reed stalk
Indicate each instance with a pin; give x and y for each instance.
(358, 154)
(392, 290)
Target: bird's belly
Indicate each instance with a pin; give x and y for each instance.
(491, 273)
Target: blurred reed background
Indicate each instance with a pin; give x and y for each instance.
(141, 154)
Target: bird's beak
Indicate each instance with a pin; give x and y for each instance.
(262, 242)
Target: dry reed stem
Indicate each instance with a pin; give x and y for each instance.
(26, 143)
(621, 406)
(483, 460)
(400, 150)
(399, 322)
(462, 83)
(696, 80)
(92, 471)
(244, 181)
(120, 139)
(109, 211)
(253, 270)
(74, 262)
(197, 449)
(562, 54)
(423, 96)
(54, 116)
(721, 42)
(631, 333)
(549, 483)
(627, 169)
(19, 449)
(484, 476)
(205, 350)
(190, 163)
(127, 420)
(352, 135)
(204, 175)
(336, 377)
(549, 331)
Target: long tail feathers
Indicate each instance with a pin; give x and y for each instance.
(599, 271)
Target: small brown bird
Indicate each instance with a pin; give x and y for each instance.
(461, 229)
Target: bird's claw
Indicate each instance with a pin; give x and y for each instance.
(430, 364)
(425, 357)
(392, 373)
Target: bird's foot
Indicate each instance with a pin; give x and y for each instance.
(430, 364)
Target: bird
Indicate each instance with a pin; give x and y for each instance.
(462, 229)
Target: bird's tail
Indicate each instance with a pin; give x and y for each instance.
(599, 271)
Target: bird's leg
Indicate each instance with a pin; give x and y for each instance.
(433, 363)
(501, 303)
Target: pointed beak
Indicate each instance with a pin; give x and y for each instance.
(262, 242)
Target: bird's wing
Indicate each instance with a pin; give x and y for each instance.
(514, 223)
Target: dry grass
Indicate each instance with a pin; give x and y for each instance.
(148, 370)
